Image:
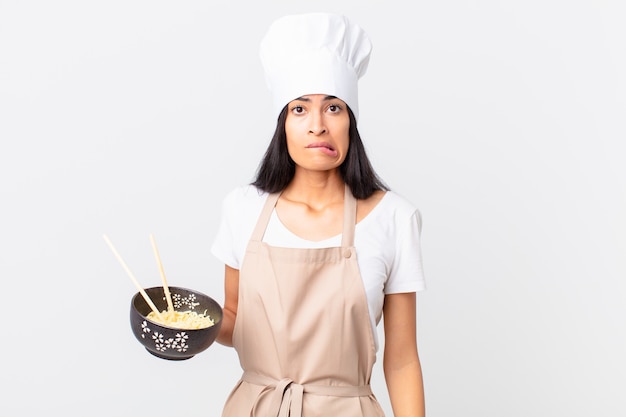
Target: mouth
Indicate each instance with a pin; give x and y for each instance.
(324, 147)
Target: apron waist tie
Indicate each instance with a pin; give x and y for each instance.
(286, 396)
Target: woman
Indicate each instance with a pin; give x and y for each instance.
(317, 248)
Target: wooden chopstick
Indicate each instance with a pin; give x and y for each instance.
(166, 289)
(133, 279)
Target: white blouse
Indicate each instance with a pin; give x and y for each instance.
(387, 243)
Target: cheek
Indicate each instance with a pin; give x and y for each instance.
(293, 128)
(291, 139)
(290, 133)
(345, 135)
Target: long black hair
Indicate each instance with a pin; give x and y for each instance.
(277, 169)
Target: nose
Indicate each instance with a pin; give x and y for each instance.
(317, 126)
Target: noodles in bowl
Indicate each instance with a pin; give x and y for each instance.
(182, 319)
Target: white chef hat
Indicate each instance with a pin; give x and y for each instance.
(314, 53)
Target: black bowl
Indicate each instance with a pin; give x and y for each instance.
(168, 342)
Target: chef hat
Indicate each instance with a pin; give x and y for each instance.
(315, 53)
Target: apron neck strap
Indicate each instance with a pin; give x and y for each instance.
(349, 218)
(264, 217)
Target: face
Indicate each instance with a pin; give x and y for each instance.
(317, 128)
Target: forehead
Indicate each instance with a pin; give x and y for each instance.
(309, 98)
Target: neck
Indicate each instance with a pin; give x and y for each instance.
(315, 188)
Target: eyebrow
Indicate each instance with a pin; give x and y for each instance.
(308, 99)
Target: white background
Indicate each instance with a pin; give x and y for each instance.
(502, 121)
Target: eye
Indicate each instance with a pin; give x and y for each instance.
(334, 108)
(297, 110)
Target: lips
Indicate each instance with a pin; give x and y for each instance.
(324, 147)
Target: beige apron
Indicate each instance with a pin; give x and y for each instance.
(303, 332)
